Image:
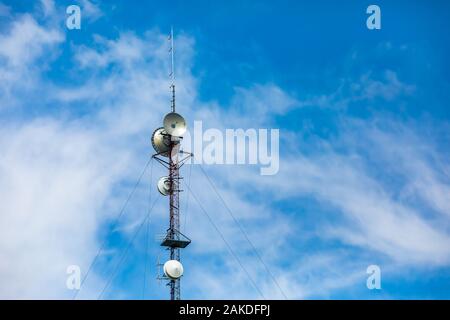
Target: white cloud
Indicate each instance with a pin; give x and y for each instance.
(48, 7)
(263, 101)
(389, 88)
(418, 160)
(23, 46)
(26, 40)
(366, 88)
(91, 10)
(56, 178)
(374, 215)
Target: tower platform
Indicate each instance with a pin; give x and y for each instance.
(175, 239)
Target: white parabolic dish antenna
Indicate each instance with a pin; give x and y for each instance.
(161, 142)
(173, 269)
(164, 186)
(174, 124)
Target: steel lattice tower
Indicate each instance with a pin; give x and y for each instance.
(174, 213)
(166, 141)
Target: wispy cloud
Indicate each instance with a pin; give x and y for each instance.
(376, 214)
(21, 56)
(91, 10)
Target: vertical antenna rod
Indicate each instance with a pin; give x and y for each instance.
(172, 70)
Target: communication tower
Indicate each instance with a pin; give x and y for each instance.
(166, 141)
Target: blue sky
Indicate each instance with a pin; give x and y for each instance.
(364, 159)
